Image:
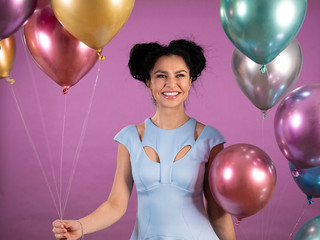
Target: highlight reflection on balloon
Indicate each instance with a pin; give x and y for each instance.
(242, 179)
(262, 29)
(13, 14)
(7, 55)
(93, 22)
(265, 90)
(60, 55)
(297, 126)
(309, 230)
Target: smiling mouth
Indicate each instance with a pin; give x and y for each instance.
(171, 94)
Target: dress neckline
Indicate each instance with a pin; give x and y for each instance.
(149, 122)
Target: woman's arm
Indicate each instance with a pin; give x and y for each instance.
(220, 220)
(108, 212)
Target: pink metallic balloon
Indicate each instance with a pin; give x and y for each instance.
(60, 55)
(13, 14)
(297, 126)
(242, 179)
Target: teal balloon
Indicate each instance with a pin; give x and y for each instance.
(308, 180)
(261, 29)
(309, 230)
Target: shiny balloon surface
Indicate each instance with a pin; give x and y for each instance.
(309, 230)
(265, 90)
(308, 180)
(297, 126)
(93, 22)
(7, 55)
(242, 179)
(60, 55)
(261, 29)
(13, 14)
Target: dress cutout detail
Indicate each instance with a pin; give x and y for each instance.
(170, 193)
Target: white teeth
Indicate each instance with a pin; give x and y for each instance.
(170, 93)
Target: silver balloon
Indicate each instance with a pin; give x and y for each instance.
(309, 230)
(264, 90)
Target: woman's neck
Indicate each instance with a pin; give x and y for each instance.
(169, 118)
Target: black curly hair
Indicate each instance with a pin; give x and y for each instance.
(144, 56)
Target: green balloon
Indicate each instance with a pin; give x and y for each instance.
(309, 230)
(261, 29)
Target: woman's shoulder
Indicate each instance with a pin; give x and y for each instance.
(198, 130)
(210, 130)
(140, 129)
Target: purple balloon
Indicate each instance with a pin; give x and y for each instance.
(13, 14)
(297, 126)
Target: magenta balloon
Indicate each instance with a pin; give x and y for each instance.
(242, 179)
(13, 14)
(297, 126)
(60, 55)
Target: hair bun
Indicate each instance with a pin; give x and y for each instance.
(195, 55)
(139, 55)
(144, 56)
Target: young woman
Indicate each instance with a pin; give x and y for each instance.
(168, 157)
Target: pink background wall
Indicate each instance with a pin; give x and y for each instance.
(26, 208)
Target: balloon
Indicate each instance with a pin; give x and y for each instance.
(262, 29)
(297, 126)
(309, 230)
(60, 55)
(242, 179)
(265, 90)
(93, 22)
(308, 180)
(13, 14)
(7, 55)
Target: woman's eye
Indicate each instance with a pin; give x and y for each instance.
(161, 76)
(180, 75)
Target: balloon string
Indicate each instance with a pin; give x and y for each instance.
(81, 139)
(277, 205)
(33, 145)
(241, 229)
(295, 226)
(61, 155)
(43, 125)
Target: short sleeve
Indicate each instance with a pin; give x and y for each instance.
(214, 136)
(124, 136)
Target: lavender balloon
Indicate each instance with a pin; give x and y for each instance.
(297, 126)
(13, 14)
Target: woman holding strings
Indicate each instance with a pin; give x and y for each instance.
(167, 156)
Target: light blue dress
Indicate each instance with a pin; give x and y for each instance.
(170, 193)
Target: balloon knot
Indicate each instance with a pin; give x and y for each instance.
(10, 80)
(65, 90)
(101, 57)
(296, 172)
(265, 115)
(237, 223)
(309, 200)
(263, 69)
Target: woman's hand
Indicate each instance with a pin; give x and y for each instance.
(67, 229)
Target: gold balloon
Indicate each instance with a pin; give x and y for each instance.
(93, 22)
(7, 54)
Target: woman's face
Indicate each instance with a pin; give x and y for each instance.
(170, 81)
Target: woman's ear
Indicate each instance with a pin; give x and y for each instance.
(148, 83)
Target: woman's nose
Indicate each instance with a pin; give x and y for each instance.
(170, 80)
